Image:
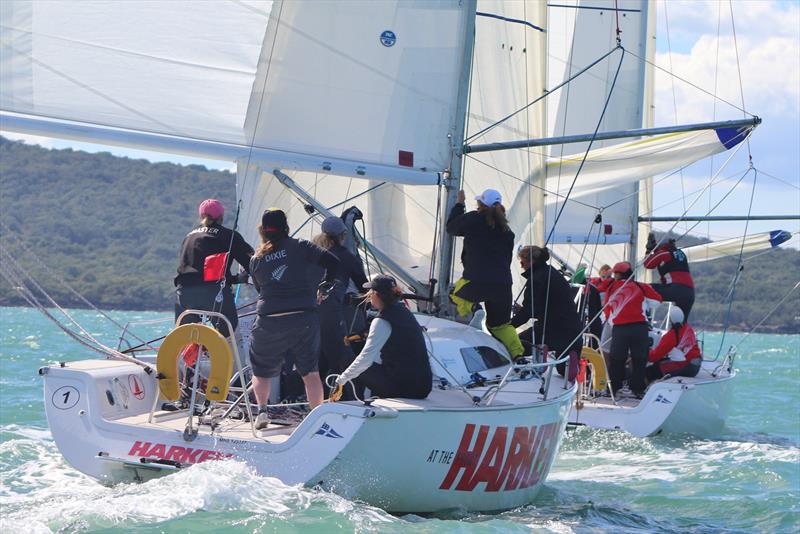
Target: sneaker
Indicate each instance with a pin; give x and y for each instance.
(262, 421)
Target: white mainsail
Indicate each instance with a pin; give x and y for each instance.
(375, 82)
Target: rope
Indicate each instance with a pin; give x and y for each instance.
(738, 67)
(738, 265)
(13, 273)
(640, 262)
(589, 147)
(63, 282)
(537, 99)
(769, 313)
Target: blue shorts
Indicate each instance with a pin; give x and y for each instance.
(291, 338)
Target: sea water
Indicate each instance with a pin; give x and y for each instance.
(746, 480)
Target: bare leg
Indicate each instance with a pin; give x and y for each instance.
(261, 387)
(313, 389)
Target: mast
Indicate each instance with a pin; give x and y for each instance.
(453, 182)
(644, 188)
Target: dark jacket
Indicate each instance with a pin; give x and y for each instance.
(554, 310)
(282, 277)
(350, 268)
(487, 252)
(404, 355)
(205, 241)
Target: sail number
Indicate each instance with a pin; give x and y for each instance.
(65, 397)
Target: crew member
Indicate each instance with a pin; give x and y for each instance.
(547, 298)
(676, 281)
(394, 361)
(629, 337)
(486, 256)
(677, 353)
(287, 326)
(335, 355)
(204, 264)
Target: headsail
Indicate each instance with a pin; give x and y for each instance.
(729, 247)
(508, 73)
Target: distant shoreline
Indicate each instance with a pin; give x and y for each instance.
(716, 328)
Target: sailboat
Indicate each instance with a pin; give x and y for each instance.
(392, 107)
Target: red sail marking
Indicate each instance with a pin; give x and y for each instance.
(136, 387)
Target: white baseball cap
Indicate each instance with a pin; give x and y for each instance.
(490, 197)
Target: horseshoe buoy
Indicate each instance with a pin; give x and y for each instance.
(218, 351)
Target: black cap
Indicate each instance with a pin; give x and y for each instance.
(274, 220)
(382, 283)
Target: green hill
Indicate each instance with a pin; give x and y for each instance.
(112, 227)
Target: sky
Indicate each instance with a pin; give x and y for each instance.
(696, 43)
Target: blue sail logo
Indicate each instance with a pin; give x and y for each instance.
(388, 38)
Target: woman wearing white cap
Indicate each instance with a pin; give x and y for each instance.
(486, 256)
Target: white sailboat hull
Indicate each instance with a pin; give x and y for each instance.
(407, 456)
(697, 406)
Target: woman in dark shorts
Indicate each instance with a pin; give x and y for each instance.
(287, 327)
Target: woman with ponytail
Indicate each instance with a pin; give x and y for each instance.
(287, 326)
(486, 256)
(548, 299)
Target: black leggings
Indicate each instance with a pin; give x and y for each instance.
(682, 296)
(203, 297)
(497, 299)
(629, 340)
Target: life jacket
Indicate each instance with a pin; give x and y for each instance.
(627, 302)
(672, 265)
(687, 348)
(405, 354)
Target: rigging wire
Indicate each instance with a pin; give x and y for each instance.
(738, 67)
(543, 96)
(64, 283)
(674, 97)
(684, 80)
(591, 142)
(738, 265)
(640, 262)
(769, 313)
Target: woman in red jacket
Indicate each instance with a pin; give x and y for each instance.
(629, 337)
(677, 353)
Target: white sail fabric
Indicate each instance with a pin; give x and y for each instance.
(399, 227)
(349, 88)
(508, 72)
(729, 247)
(372, 82)
(617, 167)
(170, 67)
(579, 33)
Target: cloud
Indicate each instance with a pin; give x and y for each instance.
(768, 35)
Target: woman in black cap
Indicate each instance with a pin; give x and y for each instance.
(394, 361)
(206, 256)
(287, 327)
(335, 355)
